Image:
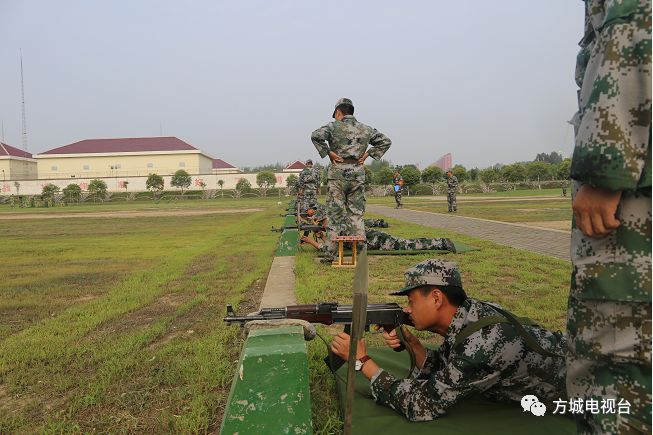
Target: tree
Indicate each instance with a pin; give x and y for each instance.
(72, 192)
(460, 172)
(17, 186)
(154, 184)
(383, 176)
(181, 179)
(489, 175)
(538, 171)
(243, 186)
(377, 165)
(514, 173)
(411, 176)
(562, 171)
(291, 183)
(97, 188)
(553, 157)
(473, 174)
(48, 192)
(125, 184)
(265, 180)
(432, 176)
(221, 183)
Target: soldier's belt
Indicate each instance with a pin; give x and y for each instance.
(350, 161)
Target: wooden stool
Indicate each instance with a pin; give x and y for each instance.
(341, 249)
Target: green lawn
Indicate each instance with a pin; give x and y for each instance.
(115, 325)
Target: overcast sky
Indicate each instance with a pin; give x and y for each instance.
(248, 81)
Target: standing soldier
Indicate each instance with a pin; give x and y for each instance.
(345, 141)
(398, 184)
(452, 187)
(309, 185)
(609, 316)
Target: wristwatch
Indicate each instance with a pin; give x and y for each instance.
(360, 362)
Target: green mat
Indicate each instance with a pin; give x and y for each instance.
(288, 243)
(475, 416)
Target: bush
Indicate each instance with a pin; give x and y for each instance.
(72, 192)
(181, 180)
(97, 188)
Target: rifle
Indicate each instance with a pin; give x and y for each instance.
(389, 316)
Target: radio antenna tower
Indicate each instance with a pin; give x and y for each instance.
(22, 94)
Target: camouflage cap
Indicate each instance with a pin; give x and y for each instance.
(309, 162)
(339, 102)
(431, 272)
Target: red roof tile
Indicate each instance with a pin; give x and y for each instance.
(123, 145)
(296, 165)
(221, 164)
(7, 150)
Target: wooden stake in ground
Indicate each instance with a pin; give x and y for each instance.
(359, 317)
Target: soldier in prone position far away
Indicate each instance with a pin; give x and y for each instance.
(609, 316)
(346, 142)
(452, 188)
(495, 361)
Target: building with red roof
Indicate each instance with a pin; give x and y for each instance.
(16, 164)
(295, 166)
(122, 157)
(222, 167)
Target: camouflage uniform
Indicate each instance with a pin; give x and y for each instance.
(345, 190)
(609, 318)
(376, 223)
(494, 361)
(381, 241)
(452, 188)
(398, 181)
(309, 182)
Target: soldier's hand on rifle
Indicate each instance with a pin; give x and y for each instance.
(594, 209)
(361, 159)
(335, 158)
(340, 347)
(392, 340)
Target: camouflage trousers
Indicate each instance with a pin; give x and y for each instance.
(609, 320)
(398, 196)
(310, 200)
(621, 332)
(378, 240)
(345, 210)
(451, 201)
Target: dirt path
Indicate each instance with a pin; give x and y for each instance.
(124, 214)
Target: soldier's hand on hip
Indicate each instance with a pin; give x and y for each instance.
(595, 209)
(335, 158)
(361, 159)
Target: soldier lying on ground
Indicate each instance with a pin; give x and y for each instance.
(496, 361)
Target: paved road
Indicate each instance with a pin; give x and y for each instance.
(540, 240)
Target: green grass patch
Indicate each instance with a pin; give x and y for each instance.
(115, 325)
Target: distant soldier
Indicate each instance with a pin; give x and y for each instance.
(309, 185)
(565, 186)
(346, 142)
(483, 353)
(452, 189)
(609, 316)
(398, 185)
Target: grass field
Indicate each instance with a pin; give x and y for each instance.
(115, 325)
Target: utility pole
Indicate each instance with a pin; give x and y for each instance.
(24, 123)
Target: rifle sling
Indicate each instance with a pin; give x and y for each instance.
(506, 317)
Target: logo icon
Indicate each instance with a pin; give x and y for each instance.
(531, 403)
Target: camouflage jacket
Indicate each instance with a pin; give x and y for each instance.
(452, 183)
(397, 180)
(349, 139)
(493, 362)
(613, 71)
(309, 179)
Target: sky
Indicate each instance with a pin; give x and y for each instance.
(248, 81)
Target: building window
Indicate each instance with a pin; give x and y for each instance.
(87, 167)
(150, 165)
(54, 168)
(182, 164)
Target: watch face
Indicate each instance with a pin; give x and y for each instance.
(358, 366)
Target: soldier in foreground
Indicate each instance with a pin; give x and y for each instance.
(609, 316)
(309, 185)
(346, 142)
(452, 188)
(398, 185)
(494, 361)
